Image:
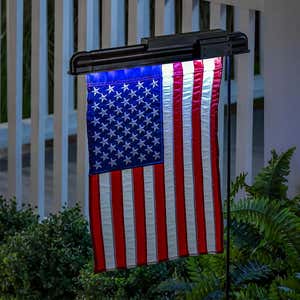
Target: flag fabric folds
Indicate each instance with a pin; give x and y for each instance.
(154, 183)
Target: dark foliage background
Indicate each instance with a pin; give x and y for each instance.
(52, 259)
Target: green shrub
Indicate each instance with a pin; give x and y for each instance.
(13, 220)
(136, 283)
(44, 260)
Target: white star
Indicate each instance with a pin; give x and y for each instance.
(96, 136)
(103, 97)
(125, 87)
(119, 124)
(111, 104)
(125, 102)
(142, 157)
(118, 110)
(133, 123)
(155, 141)
(111, 119)
(155, 112)
(104, 156)
(140, 114)
(112, 162)
(127, 146)
(147, 106)
(127, 160)
(141, 129)
(110, 88)
(97, 150)
(148, 120)
(111, 148)
(154, 97)
(134, 152)
(119, 139)
(95, 121)
(120, 153)
(97, 165)
(118, 95)
(95, 106)
(126, 131)
(154, 83)
(156, 155)
(134, 137)
(141, 143)
(111, 133)
(103, 127)
(155, 126)
(148, 135)
(126, 117)
(104, 142)
(149, 149)
(103, 112)
(140, 100)
(132, 93)
(147, 92)
(132, 108)
(140, 85)
(95, 91)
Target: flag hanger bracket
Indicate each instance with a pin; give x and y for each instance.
(161, 49)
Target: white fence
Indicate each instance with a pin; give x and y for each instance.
(65, 120)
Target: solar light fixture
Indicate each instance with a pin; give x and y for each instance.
(149, 107)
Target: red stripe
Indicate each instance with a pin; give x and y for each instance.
(197, 158)
(215, 155)
(178, 160)
(96, 223)
(140, 217)
(160, 212)
(118, 218)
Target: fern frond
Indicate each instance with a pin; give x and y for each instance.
(251, 292)
(206, 286)
(173, 286)
(274, 223)
(271, 181)
(249, 272)
(238, 184)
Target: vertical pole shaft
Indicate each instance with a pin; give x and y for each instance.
(228, 75)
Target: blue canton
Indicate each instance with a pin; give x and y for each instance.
(124, 119)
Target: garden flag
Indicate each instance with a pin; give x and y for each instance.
(154, 183)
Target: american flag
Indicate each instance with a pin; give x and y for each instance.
(154, 163)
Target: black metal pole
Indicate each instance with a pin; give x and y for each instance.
(228, 74)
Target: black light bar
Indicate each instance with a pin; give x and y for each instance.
(162, 49)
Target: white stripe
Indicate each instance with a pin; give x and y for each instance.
(187, 95)
(150, 214)
(129, 224)
(106, 218)
(167, 71)
(206, 157)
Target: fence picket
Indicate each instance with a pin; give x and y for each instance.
(196, 15)
(218, 21)
(117, 23)
(245, 22)
(63, 49)
(132, 22)
(159, 12)
(187, 10)
(39, 100)
(88, 39)
(143, 19)
(14, 94)
(169, 22)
